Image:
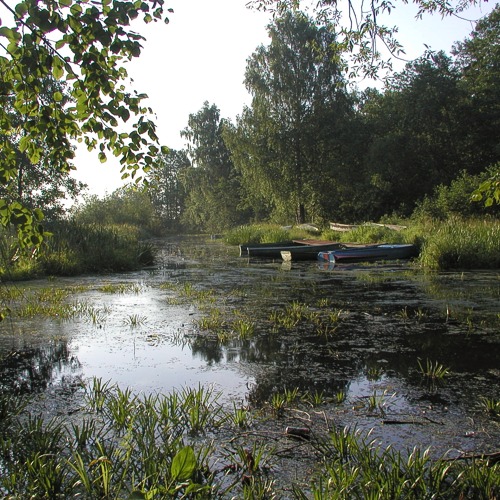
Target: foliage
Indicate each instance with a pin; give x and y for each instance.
(75, 248)
(128, 206)
(210, 182)
(455, 199)
(165, 188)
(284, 142)
(460, 244)
(130, 446)
(489, 190)
(36, 184)
(356, 467)
(362, 29)
(264, 233)
(84, 47)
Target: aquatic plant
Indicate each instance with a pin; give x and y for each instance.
(153, 453)
(374, 373)
(377, 401)
(200, 408)
(315, 398)
(243, 327)
(432, 370)
(213, 321)
(135, 320)
(278, 403)
(358, 467)
(491, 406)
(340, 397)
(240, 416)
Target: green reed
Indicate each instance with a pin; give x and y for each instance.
(129, 446)
(491, 406)
(466, 244)
(432, 370)
(135, 320)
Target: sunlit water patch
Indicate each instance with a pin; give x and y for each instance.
(358, 330)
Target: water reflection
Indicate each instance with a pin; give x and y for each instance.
(391, 316)
(30, 369)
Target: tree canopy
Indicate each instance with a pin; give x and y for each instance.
(83, 46)
(362, 27)
(298, 102)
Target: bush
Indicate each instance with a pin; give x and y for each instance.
(456, 199)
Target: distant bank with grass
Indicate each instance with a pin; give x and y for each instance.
(454, 243)
(75, 248)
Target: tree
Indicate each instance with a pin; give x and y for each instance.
(416, 134)
(361, 33)
(478, 60)
(84, 45)
(36, 184)
(298, 105)
(165, 189)
(211, 183)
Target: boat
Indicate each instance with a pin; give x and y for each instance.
(335, 226)
(245, 246)
(273, 250)
(310, 252)
(369, 254)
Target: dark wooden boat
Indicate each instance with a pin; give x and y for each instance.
(273, 250)
(245, 246)
(369, 254)
(308, 252)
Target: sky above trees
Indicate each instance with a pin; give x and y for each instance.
(201, 56)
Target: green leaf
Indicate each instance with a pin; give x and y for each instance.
(12, 35)
(57, 68)
(76, 9)
(58, 97)
(21, 9)
(183, 464)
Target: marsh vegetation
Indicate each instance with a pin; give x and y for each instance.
(183, 380)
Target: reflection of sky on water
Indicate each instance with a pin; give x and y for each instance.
(162, 352)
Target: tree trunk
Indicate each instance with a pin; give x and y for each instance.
(300, 215)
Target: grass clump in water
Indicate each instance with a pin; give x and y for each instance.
(356, 467)
(459, 244)
(152, 446)
(433, 370)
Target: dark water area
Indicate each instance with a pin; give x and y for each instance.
(147, 334)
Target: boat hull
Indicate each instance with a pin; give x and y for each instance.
(379, 252)
(309, 252)
(273, 250)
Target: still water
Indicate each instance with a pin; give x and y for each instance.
(363, 331)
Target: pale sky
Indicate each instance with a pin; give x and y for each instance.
(201, 56)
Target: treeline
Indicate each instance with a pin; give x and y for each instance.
(310, 147)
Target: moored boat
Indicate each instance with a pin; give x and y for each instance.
(367, 254)
(245, 246)
(308, 252)
(273, 251)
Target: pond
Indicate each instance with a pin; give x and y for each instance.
(254, 328)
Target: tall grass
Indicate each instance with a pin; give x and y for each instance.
(461, 244)
(77, 248)
(266, 233)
